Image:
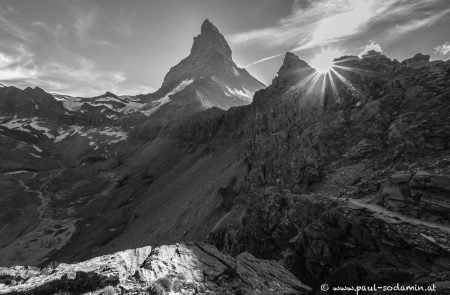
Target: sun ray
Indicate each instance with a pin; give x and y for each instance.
(323, 89)
(346, 59)
(347, 83)
(333, 87)
(350, 69)
(313, 84)
(322, 84)
(300, 85)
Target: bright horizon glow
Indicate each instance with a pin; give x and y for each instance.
(314, 87)
(324, 60)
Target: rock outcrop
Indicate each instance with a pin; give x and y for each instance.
(191, 268)
(355, 191)
(30, 102)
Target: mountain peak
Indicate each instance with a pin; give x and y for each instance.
(109, 94)
(292, 62)
(292, 71)
(210, 41)
(208, 27)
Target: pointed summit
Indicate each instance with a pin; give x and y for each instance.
(109, 94)
(208, 27)
(207, 78)
(210, 42)
(291, 63)
(292, 71)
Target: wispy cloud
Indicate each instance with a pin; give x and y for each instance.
(323, 22)
(123, 24)
(372, 45)
(80, 78)
(263, 60)
(11, 24)
(443, 49)
(84, 26)
(84, 22)
(415, 24)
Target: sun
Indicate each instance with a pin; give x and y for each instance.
(323, 60)
(321, 84)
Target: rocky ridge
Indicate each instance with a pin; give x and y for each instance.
(352, 190)
(191, 268)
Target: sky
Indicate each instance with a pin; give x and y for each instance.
(88, 47)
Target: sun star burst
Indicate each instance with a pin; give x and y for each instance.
(323, 61)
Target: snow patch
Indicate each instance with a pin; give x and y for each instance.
(63, 134)
(35, 125)
(27, 125)
(106, 99)
(102, 104)
(71, 103)
(37, 148)
(203, 100)
(17, 124)
(245, 93)
(95, 135)
(15, 172)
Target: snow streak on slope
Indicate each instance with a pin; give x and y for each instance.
(245, 94)
(165, 99)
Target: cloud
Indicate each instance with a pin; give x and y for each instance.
(348, 22)
(443, 49)
(81, 78)
(84, 22)
(123, 24)
(370, 46)
(17, 65)
(415, 24)
(84, 25)
(10, 22)
(323, 22)
(263, 60)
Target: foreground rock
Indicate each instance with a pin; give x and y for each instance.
(177, 269)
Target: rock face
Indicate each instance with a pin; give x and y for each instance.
(178, 269)
(419, 193)
(344, 192)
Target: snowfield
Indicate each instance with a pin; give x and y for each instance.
(131, 105)
(30, 125)
(36, 126)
